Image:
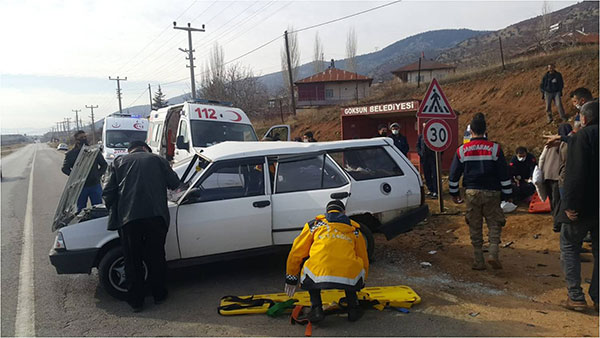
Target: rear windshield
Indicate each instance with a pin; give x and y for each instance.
(208, 133)
(122, 138)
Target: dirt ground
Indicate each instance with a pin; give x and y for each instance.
(527, 291)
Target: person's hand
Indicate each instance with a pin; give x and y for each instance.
(552, 140)
(572, 214)
(456, 199)
(289, 290)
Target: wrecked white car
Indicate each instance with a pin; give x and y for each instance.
(247, 198)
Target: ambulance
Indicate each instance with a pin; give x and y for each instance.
(179, 131)
(119, 131)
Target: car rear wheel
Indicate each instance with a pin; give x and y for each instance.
(369, 239)
(111, 270)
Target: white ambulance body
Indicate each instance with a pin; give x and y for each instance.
(179, 131)
(119, 131)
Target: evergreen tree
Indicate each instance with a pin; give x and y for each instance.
(158, 101)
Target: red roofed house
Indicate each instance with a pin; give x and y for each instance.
(332, 86)
(429, 69)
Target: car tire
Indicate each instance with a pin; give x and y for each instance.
(369, 239)
(111, 272)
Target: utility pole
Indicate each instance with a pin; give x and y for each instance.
(501, 52)
(92, 117)
(118, 79)
(190, 52)
(150, 95)
(419, 74)
(68, 122)
(289, 62)
(76, 111)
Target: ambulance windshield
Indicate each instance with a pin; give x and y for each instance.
(122, 138)
(208, 133)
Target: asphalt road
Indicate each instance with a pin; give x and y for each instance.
(75, 305)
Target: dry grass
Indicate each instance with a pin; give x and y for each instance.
(8, 149)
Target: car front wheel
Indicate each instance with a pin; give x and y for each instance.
(111, 270)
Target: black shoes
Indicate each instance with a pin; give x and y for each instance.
(161, 299)
(354, 313)
(316, 314)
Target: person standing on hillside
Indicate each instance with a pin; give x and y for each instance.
(486, 183)
(551, 88)
(580, 202)
(427, 159)
(399, 140)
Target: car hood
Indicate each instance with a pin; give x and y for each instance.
(67, 207)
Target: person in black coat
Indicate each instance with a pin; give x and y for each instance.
(579, 204)
(136, 196)
(427, 160)
(399, 140)
(521, 171)
(551, 88)
(92, 188)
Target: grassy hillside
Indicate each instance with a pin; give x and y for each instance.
(510, 99)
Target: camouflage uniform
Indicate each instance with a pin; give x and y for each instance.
(480, 204)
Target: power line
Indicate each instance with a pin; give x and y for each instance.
(344, 17)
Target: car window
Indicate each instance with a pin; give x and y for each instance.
(317, 172)
(367, 163)
(229, 181)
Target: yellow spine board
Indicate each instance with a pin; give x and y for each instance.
(394, 296)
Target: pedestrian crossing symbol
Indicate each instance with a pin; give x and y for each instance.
(435, 103)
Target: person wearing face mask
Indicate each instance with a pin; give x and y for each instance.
(308, 137)
(551, 88)
(521, 170)
(399, 140)
(579, 97)
(92, 188)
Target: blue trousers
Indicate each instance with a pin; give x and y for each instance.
(94, 193)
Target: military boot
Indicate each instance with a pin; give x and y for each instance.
(479, 263)
(493, 259)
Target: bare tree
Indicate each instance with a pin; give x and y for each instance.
(351, 51)
(294, 48)
(318, 56)
(543, 30)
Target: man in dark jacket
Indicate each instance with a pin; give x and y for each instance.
(427, 159)
(551, 88)
(521, 171)
(399, 140)
(485, 181)
(92, 188)
(580, 204)
(137, 192)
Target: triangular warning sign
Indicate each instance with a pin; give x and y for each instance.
(435, 104)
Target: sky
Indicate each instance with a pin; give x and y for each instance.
(57, 55)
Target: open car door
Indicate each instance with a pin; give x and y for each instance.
(280, 132)
(67, 207)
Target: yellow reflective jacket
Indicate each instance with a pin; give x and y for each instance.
(336, 252)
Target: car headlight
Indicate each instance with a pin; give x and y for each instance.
(111, 156)
(59, 242)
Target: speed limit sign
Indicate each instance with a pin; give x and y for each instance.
(437, 135)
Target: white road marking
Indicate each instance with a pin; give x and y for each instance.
(25, 321)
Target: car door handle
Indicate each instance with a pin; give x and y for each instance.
(340, 195)
(261, 204)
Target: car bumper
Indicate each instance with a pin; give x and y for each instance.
(77, 261)
(405, 222)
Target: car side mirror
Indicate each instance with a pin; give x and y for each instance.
(181, 144)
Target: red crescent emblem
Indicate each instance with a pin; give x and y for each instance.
(239, 117)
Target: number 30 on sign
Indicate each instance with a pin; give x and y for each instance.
(437, 134)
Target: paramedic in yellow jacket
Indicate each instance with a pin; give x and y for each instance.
(336, 258)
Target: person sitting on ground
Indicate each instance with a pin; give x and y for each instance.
(521, 171)
(308, 137)
(399, 140)
(330, 253)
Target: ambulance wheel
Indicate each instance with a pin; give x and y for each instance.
(111, 271)
(369, 239)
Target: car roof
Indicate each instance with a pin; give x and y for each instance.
(234, 149)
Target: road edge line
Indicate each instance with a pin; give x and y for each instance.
(25, 318)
